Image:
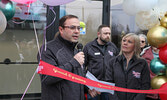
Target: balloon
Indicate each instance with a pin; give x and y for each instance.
(7, 8)
(157, 36)
(163, 21)
(145, 5)
(157, 67)
(3, 22)
(127, 6)
(24, 1)
(131, 7)
(55, 2)
(163, 54)
(157, 81)
(161, 8)
(163, 96)
(146, 19)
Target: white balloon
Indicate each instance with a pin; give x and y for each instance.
(3, 22)
(160, 9)
(145, 5)
(162, 3)
(146, 20)
(131, 7)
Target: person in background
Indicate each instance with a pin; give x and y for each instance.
(61, 53)
(97, 54)
(129, 70)
(143, 41)
(150, 53)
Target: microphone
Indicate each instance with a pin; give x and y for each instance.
(79, 47)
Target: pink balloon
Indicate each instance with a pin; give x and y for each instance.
(163, 96)
(24, 1)
(55, 2)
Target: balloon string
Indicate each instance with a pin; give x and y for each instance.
(36, 36)
(26, 16)
(44, 39)
(29, 84)
(38, 48)
(37, 67)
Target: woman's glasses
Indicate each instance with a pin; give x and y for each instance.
(142, 41)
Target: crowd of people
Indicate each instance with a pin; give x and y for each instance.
(127, 68)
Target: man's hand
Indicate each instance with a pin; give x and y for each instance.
(80, 57)
(93, 92)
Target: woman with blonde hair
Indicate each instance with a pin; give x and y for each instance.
(128, 70)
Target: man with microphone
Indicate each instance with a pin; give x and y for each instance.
(61, 53)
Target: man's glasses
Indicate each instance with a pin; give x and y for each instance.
(72, 27)
(142, 41)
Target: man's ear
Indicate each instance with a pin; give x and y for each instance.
(98, 33)
(60, 29)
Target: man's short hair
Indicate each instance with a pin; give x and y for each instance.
(101, 26)
(64, 18)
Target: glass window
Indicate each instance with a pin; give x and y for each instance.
(18, 53)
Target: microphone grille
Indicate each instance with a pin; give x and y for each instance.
(79, 46)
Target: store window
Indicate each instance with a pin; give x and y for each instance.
(18, 53)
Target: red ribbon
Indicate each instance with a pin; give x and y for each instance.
(48, 69)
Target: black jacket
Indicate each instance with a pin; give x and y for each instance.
(96, 60)
(60, 53)
(136, 76)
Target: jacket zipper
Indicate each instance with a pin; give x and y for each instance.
(126, 77)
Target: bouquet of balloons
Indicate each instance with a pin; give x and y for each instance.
(7, 9)
(157, 37)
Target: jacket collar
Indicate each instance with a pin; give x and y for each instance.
(122, 57)
(66, 42)
(95, 43)
(135, 60)
(145, 50)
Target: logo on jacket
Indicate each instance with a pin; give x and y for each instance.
(110, 52)
(136, 74)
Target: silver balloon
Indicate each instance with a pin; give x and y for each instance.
(3, 22)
